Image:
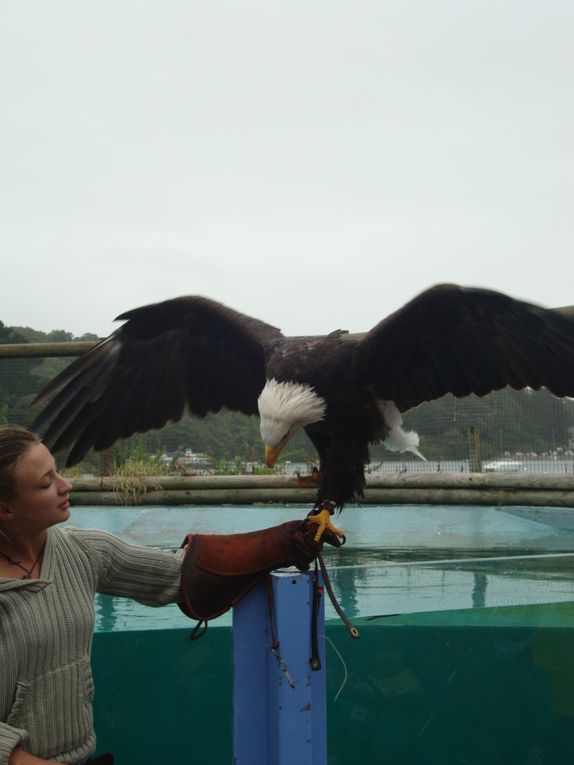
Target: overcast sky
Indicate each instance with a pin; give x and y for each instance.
(314, 164)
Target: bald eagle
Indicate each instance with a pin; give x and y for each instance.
(345, 391)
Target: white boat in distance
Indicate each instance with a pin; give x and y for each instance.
(503, 466)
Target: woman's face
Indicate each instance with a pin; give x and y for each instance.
(41, 494)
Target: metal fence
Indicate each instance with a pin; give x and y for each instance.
(505, 432)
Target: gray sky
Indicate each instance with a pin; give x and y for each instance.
(314, 164)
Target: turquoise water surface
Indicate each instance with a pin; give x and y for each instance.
(398, 559)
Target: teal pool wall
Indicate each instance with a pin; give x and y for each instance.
(475, 687)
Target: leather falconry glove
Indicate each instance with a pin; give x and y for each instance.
(220, 569)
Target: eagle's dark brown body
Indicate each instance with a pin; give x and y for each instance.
(197, 354)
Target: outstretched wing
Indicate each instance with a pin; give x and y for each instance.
(455, 340)
(188, 352)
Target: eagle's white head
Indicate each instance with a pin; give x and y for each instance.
(284, 408)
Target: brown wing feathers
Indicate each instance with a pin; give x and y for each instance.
(462, 341)
(187, 352)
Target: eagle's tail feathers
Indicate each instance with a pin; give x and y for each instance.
(399, 440)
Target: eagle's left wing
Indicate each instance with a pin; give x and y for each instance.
(456, 340)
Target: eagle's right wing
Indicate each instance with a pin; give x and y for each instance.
(187, 352)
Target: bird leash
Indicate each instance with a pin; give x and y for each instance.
(281, 663)
(351, 629)
(314, 660)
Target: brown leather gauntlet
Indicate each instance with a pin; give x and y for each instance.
(219, 569)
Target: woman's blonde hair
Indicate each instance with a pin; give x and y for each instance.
(14, 443)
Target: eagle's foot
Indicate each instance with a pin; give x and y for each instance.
(321, 515)
(313, 479)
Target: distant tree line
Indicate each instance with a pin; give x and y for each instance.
(508, 420)
(22, 379)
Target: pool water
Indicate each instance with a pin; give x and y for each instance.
(397, 560)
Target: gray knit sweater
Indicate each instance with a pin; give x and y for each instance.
(46, 628)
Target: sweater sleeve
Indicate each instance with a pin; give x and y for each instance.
(146, 574)
(10, 738)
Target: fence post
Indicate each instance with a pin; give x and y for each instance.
(474, 460)
(279, 710)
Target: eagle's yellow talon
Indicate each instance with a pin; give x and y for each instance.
(323, 520)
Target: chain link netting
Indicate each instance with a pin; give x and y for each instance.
(506, 431)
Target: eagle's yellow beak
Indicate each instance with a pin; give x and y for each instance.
(270, 456)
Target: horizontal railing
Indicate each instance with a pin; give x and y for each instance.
(429, 488)
(77, 347)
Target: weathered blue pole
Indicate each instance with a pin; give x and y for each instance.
(279, 702)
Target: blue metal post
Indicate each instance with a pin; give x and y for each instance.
(279, 702)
